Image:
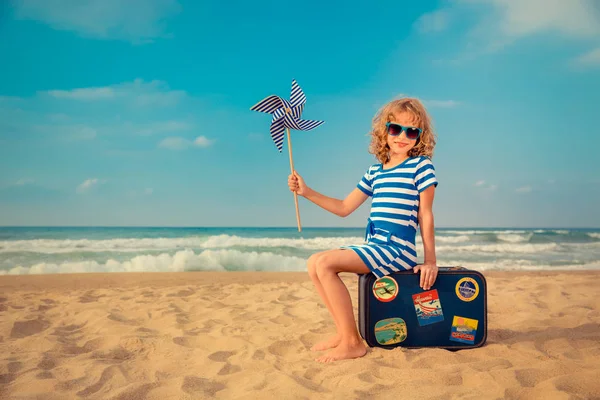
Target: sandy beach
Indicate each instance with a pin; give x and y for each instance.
(247, 335)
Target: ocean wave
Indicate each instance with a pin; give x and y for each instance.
(514, 238)
(53, 246)
(500, 248)
(482, 232)
(595, 235)
(519, 265)
(448, 239)
(184, 260)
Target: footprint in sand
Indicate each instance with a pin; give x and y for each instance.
(113, 356)
(311, 373)
(147, 331)
(221, 356)
(283, 348)
(5, 379)
(182, 293)
(45, 375)
(258, 355)
(88, 347)
(120, 318)
(183, 318)
(188, 341)
(108, 374)
(14, 366)
(23, 329)
(229, 369)
(90, 298)
(48, 362)
(194, 385)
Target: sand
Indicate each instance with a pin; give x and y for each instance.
(247, 336)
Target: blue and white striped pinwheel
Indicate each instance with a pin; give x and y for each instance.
(286, 114)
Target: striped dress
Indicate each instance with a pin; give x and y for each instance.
(392, 224)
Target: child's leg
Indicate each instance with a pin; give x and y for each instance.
(312, 272)
(328, 266)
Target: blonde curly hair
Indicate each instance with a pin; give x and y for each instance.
(425, 142)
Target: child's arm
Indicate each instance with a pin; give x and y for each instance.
(426, 223)
(338, 207)
(429, 269)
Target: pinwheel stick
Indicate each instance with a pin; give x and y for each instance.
(289, 138)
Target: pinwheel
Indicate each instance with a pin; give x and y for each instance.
(286, 116)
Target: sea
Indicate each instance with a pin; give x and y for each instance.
(53, 250)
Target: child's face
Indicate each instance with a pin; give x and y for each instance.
(400, 145)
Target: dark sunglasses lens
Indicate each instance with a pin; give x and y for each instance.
(394, 130)
(412, 133)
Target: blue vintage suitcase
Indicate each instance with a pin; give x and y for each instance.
(394, 310)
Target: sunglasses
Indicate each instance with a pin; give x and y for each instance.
(412, 133)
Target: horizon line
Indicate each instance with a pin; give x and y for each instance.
(281, 227)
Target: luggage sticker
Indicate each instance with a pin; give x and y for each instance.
(428, 307)
(390, 331)
(385, 289)
(463, 330)
(467, 289)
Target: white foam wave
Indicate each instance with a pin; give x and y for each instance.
(318, 243)
(448, 239)
(518, 265)
(514, 238)
(480, 232)
(53, 246)
(184, 260)
(500, 248)
(594, 235)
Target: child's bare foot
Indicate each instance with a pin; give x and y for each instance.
(327, 344)
(345, 350)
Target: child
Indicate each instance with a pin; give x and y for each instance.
(402, 186)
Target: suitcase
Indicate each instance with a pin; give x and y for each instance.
(394, 311)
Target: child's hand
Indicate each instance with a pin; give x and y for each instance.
(428, 275)
(296, 184)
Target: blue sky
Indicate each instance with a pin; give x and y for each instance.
(137, 113)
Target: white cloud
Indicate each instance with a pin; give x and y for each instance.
(24, 181)
(137, 21)
(180, 143)
(138, 93)
(526, 17)
(591, 58)
(88, 184)
(85, 94)
(486, 186)
(441, 103)
(524, 189)
(435, 21)
(202, 141)
(174, 143)
(500, 22)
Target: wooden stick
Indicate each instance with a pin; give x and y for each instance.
(292, 168)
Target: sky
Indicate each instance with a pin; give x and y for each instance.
(138, 113)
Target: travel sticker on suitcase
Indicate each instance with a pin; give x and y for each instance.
(428, 307)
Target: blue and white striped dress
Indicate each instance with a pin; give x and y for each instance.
(392, 225)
